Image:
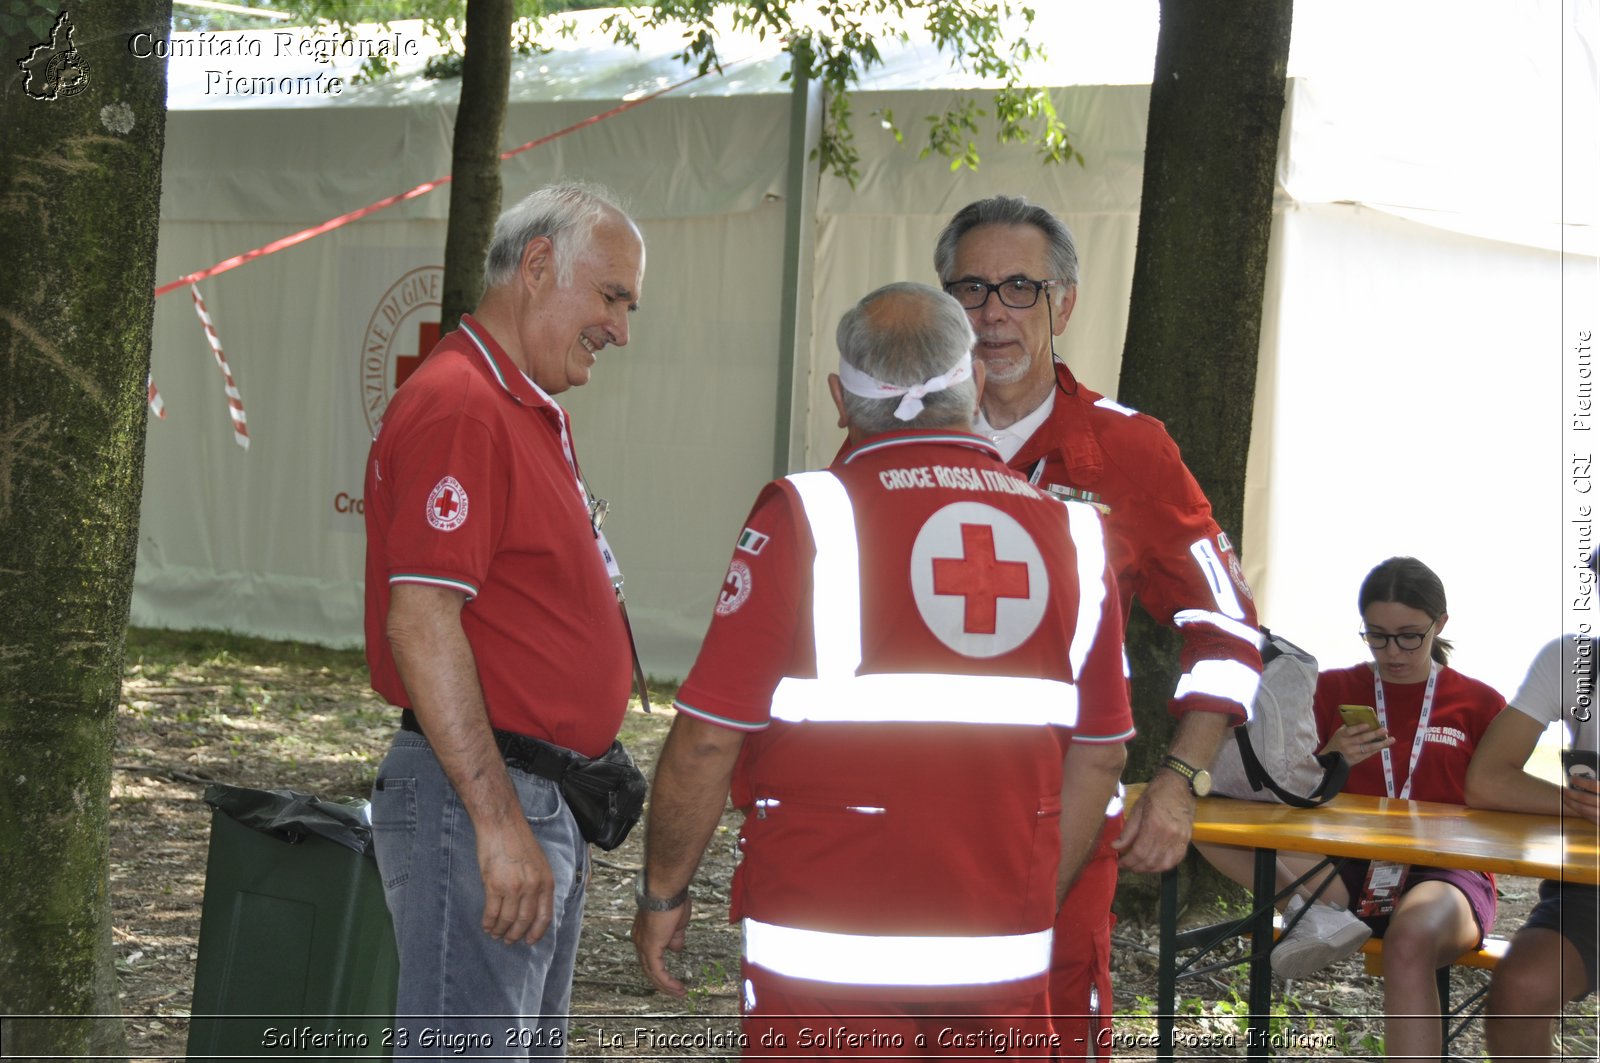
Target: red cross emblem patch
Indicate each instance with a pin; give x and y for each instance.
(978, 579)
(447, 505)
(735, 589)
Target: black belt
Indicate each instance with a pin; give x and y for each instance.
(520, 751)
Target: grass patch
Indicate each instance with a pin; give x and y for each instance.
(158, 647)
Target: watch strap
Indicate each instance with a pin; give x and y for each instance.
(648, 903)
(1182, 767)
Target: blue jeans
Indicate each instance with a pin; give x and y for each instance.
(462, 993)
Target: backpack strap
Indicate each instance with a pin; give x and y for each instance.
(1335, 771)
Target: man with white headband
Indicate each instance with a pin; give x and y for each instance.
(913, 685)
(1013, 266)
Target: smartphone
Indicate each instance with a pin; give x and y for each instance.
(1359, 715)
(1580, 764)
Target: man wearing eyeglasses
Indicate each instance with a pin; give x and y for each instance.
(493, 624)
(1014, 267)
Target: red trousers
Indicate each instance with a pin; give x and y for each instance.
(1080, 958)
(781, 1023)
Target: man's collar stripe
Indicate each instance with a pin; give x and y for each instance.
(483, 349)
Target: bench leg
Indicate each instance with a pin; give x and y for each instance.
(1265, 888)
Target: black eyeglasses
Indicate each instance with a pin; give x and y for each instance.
(1018, 293)
(1406, 640)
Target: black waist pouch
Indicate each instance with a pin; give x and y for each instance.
(606, 793)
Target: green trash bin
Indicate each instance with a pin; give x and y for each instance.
(297, 956)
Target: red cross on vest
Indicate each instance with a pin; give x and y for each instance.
(980, 577)
(446, 504)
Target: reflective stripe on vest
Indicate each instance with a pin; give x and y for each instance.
(898, 960)
(1088, 539)
(838, 695)
(930, 697)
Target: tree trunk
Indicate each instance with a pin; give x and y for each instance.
(1194, 316)
(475, 156)
(80, 194)
(1199, 273)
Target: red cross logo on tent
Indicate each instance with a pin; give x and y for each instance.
(427, 340)
(447, 505)
(978, 579)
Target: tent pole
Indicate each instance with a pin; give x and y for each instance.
(799, 239)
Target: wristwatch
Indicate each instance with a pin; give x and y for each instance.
(1199, 778)
(648, 903)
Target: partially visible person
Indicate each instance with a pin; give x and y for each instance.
(1013, 266)
(492, 625)
(1430, 719)
(1552, 960)
(913, 682)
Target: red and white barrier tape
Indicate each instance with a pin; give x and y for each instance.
(153, 397)
(235, 404)
(427, 186)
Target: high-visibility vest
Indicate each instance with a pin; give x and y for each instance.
(1019, 707)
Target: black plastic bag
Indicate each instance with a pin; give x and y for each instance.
(290, 815)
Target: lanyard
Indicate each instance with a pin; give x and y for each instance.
(1416, 743)
(604, 547)
(612, 569)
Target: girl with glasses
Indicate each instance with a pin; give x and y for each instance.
(1408, 724)
(1429, 719)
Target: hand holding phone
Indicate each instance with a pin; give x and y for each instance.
(1359, 715)
(1580, 764)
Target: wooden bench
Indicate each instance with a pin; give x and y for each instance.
(1485, 958)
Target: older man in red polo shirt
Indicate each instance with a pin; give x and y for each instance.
(491, 617)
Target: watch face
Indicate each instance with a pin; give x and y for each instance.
(1201, 783)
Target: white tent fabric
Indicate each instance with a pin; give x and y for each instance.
(1433, 260)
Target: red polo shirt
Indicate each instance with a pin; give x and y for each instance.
(472, 485)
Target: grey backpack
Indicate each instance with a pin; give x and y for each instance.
(1274, 756)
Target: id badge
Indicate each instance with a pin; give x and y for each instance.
(612, 568)
(1382, 888)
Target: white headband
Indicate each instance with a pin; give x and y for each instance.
(856, 382)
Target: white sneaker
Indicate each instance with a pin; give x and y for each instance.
(1325, 934)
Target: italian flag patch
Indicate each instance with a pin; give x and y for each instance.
(752, 541)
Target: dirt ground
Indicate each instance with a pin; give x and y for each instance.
(200, 708)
